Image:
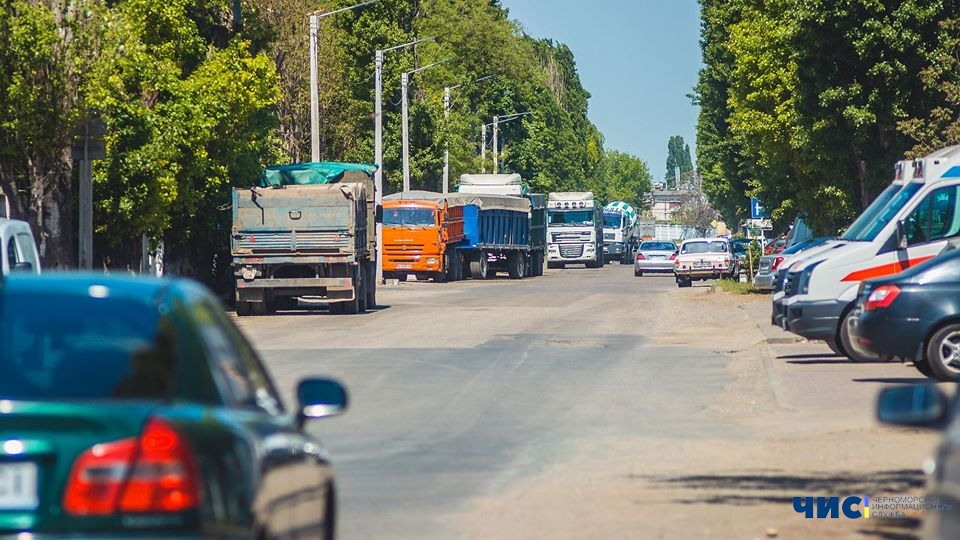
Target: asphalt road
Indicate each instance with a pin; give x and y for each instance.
(583, 398)
(459, 389)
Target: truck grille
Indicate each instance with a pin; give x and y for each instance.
(293, 240)
(560, 237)
(571, 251)
(403, 249)
(609, 235)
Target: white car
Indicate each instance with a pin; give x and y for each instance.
(654, 256)
(17, 247)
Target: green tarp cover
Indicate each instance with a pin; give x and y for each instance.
(305, 174)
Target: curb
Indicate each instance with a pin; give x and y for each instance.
(772, 379)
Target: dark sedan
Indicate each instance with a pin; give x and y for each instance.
(134, 408)
(914, 315)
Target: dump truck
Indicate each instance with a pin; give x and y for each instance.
(421, 232)
(306, 230)
(505, 226)
(574, 229)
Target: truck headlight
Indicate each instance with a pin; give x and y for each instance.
(431, 261)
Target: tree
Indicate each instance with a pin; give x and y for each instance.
(626, 178)
(940, 126)
(678, 155)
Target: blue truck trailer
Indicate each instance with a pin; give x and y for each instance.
(505, 227)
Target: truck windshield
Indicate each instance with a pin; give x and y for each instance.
(408, 217)
(612, 220)
(570, 218)
(704, 247)
(880, 212)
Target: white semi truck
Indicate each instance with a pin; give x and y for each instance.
(574, 229)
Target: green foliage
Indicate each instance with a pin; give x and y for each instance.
(805, 130)
(678, 155)
(730, 286)
(626, 178)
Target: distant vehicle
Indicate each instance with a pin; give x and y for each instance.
(506, 230)
(136, 409)
(769, 265)
(17, 247)
(421, 232)
(913, 315)
(701, 259)
(926, 406)
(775, 246)
(619, 226)
(655, 257)
(574, 229)
(306, 229)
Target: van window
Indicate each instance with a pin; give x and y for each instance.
(935, 218)
(880, 213)
(12, 255)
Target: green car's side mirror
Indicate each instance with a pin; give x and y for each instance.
(320, 398)
(918, 405)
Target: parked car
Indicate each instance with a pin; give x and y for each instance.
(926, 406)
(775, 246)
(700, 259)
(135, 407)
(913, 315)
(18, 250)
(655, 256)
(768, 265)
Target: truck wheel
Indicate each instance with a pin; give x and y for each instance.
(358, 304)
(554, 265)
(515, 265)
(479, 268)
(335, 308)
(846, 341)
(243, 309)
(943, 353)
(258, 308)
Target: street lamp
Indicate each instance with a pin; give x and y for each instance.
(378, 139)
(404, 86)
(497, 120)
(315, 78)
(446, 144)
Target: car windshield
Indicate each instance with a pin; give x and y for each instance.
(612, 220)
(570, 218)
(89, 347)
(807, 244)
(883, 209)
(409, 217)
(658, 246)
(704, 247)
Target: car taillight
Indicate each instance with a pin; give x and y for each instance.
(776, 263)
(726, 261)
(882, 297)
(153, 473)
(640, 257)
(673, 256)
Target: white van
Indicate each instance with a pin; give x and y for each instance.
(910, 227)
(17, 248)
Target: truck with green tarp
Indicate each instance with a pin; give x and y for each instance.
(306, 230)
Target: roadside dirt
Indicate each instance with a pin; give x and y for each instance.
(811, 433)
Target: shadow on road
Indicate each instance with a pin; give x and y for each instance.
(817, 362)
(896, 380)
(805, 356)
(752, 489)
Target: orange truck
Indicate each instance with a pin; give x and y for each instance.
(421, 230)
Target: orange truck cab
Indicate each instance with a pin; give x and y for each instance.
(420, 234)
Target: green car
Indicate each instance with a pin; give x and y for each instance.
(135, 408)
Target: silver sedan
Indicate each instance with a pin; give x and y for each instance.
(654, 256)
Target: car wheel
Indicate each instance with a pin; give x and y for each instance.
(923, 366)
(846, 341)
(835, 347)
(943, 353)
(243, 309)
(637, 273)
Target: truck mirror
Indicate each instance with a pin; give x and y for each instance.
(902, 240)
(378, 214)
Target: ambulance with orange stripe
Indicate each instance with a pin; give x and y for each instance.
(920, 214)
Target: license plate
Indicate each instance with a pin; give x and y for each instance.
(404, 266)
(702, 265)
(18, 486)
(657, 257)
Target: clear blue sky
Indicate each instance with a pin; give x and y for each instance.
(638, 59)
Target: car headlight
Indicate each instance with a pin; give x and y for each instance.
(803, 285)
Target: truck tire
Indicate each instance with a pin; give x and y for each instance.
(243, 309)
(335, 308)
(358, 304)
(479, 268)
(554, 265)
(515, 265)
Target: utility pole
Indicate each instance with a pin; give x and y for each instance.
(315, 76)
(378, 139)
(446, 143)
(496, 149)
(483, 149)
(404, 84)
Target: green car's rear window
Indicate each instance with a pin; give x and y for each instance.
(83, 347)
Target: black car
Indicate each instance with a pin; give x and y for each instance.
(914, 315)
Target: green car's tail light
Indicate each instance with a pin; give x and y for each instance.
(154, 473)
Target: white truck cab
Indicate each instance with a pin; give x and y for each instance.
(574, 229)
(909, 223)
(17, 247)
